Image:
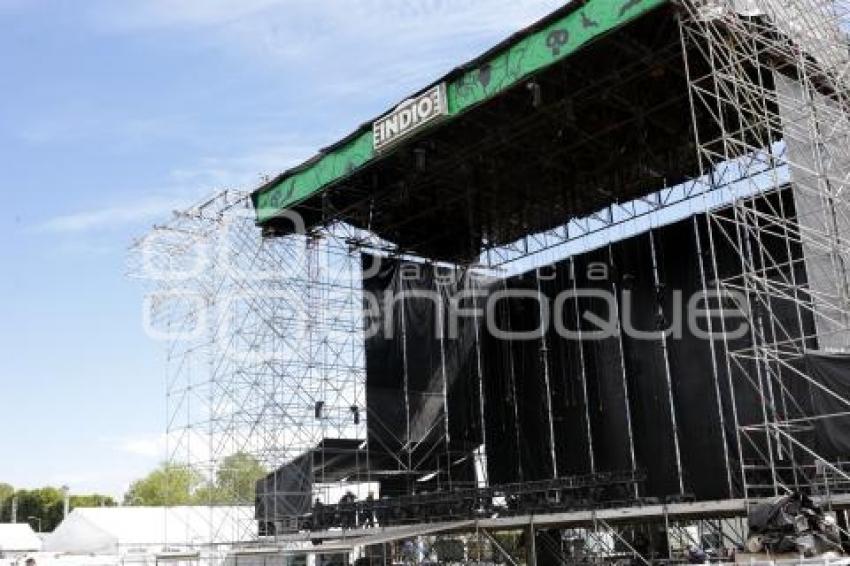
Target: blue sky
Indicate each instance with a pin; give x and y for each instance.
(112, 114)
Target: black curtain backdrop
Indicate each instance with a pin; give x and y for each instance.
(726, 265)
(833, 372)
(606, 386)
(422, 384)
(607, 398)
(385, 392)
(424, 365)
(728, 375)
(694, 377)
(535, 446)
(567, 377)
(646, 367)
(462, 371)
(501, 413)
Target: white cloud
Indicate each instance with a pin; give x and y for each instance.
(344, 48)
(332, 36)
(138, 15)
(247, 170)
(133, 213)
(187, 185)
(89, 249)
(149, 446)
(349, 59)
(187, 13)
(197, 447)
(84, 121)
(129, 458)
(375, 50)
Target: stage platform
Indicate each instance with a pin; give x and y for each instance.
(344, 541)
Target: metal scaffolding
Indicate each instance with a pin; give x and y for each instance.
(772, 75)
(264, 348)
(264, 336)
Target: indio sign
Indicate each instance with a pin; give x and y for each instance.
(410, 116)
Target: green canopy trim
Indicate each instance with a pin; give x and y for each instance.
(498, 70)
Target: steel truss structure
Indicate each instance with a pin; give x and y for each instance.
(264, 336)
(264, 351)
(776, 87)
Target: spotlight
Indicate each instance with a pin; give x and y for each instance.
(536, 94)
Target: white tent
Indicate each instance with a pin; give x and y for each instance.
(18, 538)
(131, 530)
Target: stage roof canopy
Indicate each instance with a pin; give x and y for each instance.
(587, 107)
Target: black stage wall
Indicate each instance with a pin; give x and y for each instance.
(667, 403)
(422, 388)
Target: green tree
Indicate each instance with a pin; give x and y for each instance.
(42, 508)
(167, 485)
(93, 500)
(234, 484)
(209, 494)
(236, 478)
(6, 493)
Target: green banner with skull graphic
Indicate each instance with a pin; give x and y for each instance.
(503, 70)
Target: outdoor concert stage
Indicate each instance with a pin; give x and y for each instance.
(516, 183)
